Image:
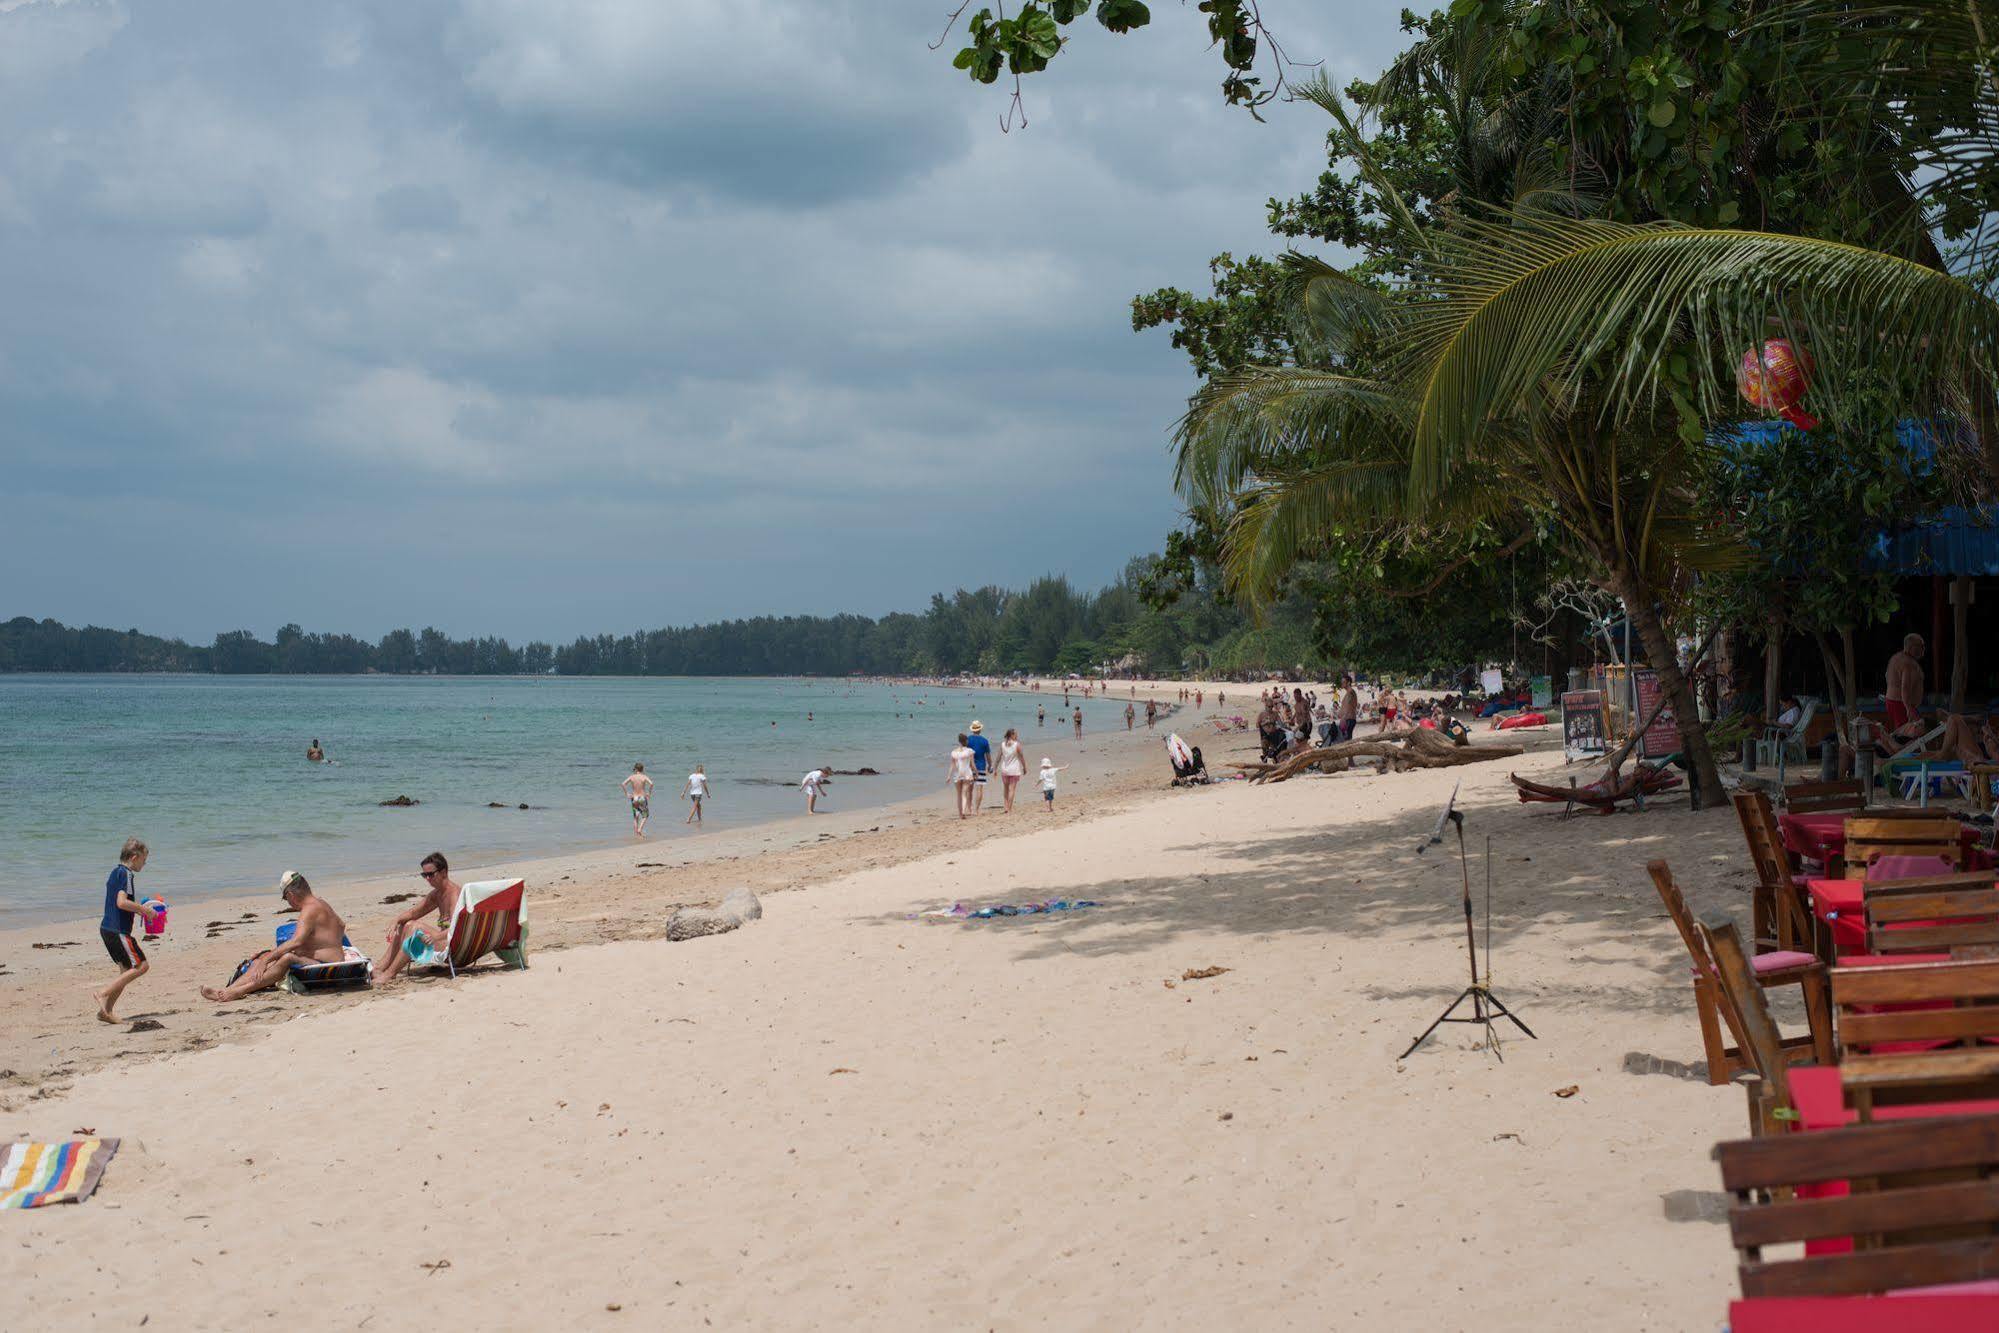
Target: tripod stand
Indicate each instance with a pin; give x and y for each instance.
(1485, 1006)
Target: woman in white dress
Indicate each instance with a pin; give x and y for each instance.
(1012, 765)
(961, 776)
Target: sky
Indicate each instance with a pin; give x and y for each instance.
(548, 317)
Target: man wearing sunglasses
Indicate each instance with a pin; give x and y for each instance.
(410, 942)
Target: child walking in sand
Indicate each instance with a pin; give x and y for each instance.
(1049, 768)
(121, 900)
(695, 790)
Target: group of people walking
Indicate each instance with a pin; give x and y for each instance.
(972, 758)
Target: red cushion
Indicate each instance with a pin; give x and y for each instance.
(1779, 959)
(1909, 867)
(1955, 1312)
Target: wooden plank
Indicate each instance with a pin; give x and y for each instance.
(1940, 906)
(1887, 1211)
(1866, 1271)
(1903, 982)
(1861, 1150)
(1907, 1069)
(1934, 939)
(1857, 1030)
(1972, 879)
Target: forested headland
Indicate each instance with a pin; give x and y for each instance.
(1162, 615)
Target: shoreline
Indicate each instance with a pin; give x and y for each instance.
(1102, 1117)
(48, 968)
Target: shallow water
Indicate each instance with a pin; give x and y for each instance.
(211, 770)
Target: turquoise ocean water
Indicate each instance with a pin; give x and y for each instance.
(211, 770)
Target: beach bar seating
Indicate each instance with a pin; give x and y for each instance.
(492, 918)
(1868, 839)
(1952, 914)
(1717, 1011)
(1811, 798)
(1918, 1032)
(1921, 1216)
(1779, 918)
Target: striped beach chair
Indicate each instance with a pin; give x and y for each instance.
(492, 918)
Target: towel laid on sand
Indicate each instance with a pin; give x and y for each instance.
(33, 1175)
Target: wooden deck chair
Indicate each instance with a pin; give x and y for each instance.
(1812, 798)
(1716, 1008)
(1939, 1014)
(1868, 839)
(1779, 919)
(1747, 1012)
(1934, 914)
(492, 918)
(1922, 1211)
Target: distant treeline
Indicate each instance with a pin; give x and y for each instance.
(1047, 627)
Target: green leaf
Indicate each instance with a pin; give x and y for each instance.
(1662, 114)
(1123, 15)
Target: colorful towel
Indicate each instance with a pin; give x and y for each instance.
(33, 1175)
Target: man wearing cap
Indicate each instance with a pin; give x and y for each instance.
(317, 940)
(982, 753)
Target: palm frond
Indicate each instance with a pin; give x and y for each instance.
(1531, 304)
(1267, 419)
(1342, 310)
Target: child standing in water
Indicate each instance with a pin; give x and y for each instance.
(121, 900)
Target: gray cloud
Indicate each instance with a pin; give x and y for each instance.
(536, 318)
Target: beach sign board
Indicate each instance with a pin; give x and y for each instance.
(1663, 736)
(1584, 725)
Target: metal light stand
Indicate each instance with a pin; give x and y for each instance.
(1485, 1006)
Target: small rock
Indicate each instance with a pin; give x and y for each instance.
(146, 1025)
(400, 800)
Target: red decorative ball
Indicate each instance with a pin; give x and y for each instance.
(1774, 378)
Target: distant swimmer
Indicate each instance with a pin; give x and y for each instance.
(696, 791)
(1079, 723)
(314, 753)
(638, 787)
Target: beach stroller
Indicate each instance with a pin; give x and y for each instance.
(1188, 766)
(492, 918)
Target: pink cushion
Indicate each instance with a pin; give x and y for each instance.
(1909, 867)
(1778, 960)
(1945, 1311)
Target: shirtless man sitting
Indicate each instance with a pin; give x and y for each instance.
(317, 940)
(409, 942)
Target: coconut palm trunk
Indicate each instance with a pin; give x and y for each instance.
(1639, 608)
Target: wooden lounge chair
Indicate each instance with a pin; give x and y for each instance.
(1716, 1008)
(1921, 1209)
(1779, 917)
(1935, 914)
(1869, 838)
(1916, 1031)
(1742, 1004)
(1811, 798)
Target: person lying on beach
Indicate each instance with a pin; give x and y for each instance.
(409, 942)
(317, 940)
(1967, 740)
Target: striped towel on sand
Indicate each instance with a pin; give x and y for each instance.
(35, 1174)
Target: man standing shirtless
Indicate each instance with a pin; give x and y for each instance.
(1905, 685)
(317, 940)
(638, 787)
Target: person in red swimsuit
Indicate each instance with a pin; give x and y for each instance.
(1905, 684)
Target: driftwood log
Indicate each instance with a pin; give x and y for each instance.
(1419, 747)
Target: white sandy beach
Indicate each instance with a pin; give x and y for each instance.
(845, 1114)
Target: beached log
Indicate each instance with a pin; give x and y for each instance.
(1418, 748)
(689, 923)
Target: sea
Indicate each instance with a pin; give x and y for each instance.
(211, 770)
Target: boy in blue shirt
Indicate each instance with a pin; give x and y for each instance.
(121, 900)
(982, 754)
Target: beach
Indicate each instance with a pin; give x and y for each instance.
(849, 1112)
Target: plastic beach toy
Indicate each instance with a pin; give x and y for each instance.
(156, 915)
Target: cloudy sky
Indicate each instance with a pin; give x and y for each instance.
(538, 317)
